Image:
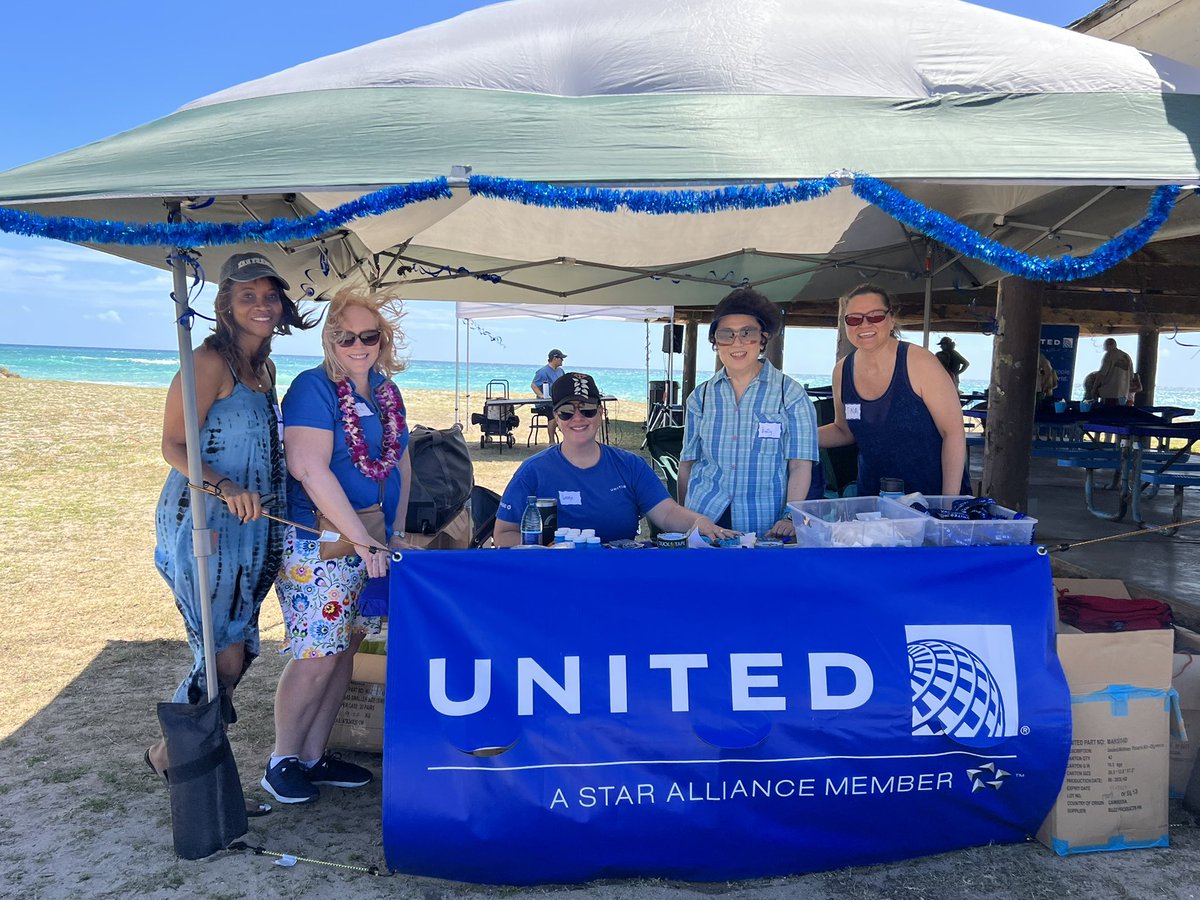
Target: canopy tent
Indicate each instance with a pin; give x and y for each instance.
(1025, 131)
(469, 312)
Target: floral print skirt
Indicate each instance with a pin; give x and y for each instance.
(319, 599)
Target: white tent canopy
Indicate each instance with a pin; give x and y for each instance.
(1016, 128)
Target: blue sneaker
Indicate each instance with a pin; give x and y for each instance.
(335, 771)
(287, 783)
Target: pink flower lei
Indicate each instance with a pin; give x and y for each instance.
(388, 397)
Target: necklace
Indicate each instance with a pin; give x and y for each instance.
(387, 395)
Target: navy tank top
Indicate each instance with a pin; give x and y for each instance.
(895, 434)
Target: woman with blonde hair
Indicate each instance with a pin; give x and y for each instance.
(346, 434)
(896, 402)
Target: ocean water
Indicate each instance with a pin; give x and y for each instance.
(156, 368)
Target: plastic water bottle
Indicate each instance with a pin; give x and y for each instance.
(891, 487)
(531, 523)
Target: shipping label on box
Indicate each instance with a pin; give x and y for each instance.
(1115, 793)
(359, 723)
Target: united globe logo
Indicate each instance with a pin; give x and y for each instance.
(963, 680)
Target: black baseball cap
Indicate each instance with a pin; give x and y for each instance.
(250, 267)
(554, 353)
(572, 387)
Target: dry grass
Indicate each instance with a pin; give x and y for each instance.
(92, 640)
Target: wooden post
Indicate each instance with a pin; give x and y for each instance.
(690, 332)
(1012, 391)
(1147, 365)
(774, 350)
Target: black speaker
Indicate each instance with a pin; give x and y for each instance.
(658, 392)
(672, 339)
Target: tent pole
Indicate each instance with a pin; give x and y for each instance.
(468, 327)
(457, 419)
(649, 396)
(202, 535)
(928, 293)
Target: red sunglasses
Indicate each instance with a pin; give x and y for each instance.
(872, 318)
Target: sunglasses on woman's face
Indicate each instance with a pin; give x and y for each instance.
(369, 338)
(748, 335)
(588, 411)
(874, 317)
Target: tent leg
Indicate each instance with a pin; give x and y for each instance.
(202, 535)
(457, 418)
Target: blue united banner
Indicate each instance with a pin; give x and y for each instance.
(562, 716)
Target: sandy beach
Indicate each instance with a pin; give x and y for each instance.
(96, 642)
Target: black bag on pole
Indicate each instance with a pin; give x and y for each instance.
(208, 808)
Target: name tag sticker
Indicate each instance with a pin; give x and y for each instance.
(569, 498)
(853, 410)
(362, 409)
(770, 430)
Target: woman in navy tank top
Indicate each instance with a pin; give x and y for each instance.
(897, 403)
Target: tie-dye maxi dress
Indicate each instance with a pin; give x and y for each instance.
(240, 439)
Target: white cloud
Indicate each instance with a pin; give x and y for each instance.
(109, 315)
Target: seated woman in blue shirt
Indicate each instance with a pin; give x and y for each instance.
(596, 486)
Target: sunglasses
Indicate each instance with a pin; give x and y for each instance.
(567, 414)
(874, 317)
(748, 335)
(369, 338)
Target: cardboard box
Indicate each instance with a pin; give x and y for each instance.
(1114, 796)
(1185, 678)
(359, 723)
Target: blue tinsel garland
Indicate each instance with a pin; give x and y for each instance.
(757, 196)
(212, 234)
(915, 215)
(970, 242)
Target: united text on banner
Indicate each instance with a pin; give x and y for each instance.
(716, 715)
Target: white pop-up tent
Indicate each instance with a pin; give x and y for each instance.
(555, 312)
(1043, 138)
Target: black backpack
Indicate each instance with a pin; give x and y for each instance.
(442, 477)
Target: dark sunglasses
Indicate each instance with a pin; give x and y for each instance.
(872, 318)
(369, 338)
(567, 414)
(748, 335)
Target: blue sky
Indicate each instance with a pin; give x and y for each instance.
(89, 70)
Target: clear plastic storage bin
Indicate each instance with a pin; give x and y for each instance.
(978, 533)
(836, 523)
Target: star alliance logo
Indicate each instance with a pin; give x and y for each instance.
(989, 775)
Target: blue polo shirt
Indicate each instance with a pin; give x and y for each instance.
(312, 402)
(547, 374)
(610, 497)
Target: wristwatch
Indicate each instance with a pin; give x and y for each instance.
(403, 535)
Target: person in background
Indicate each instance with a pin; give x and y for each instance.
(952, 361)
(597, 486)
(347, 441)
(1047, 378)
(1116, 370)
(547, 375)
(896, 402)
(750, 432)
(243, 464)
(1135, 388)
(1089, 387)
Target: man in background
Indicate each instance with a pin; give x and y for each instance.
(543, 379)
(1116, 369)
(1047, 378)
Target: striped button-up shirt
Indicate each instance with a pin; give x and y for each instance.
(740, 451)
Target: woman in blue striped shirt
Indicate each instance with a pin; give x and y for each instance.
(750, 432)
